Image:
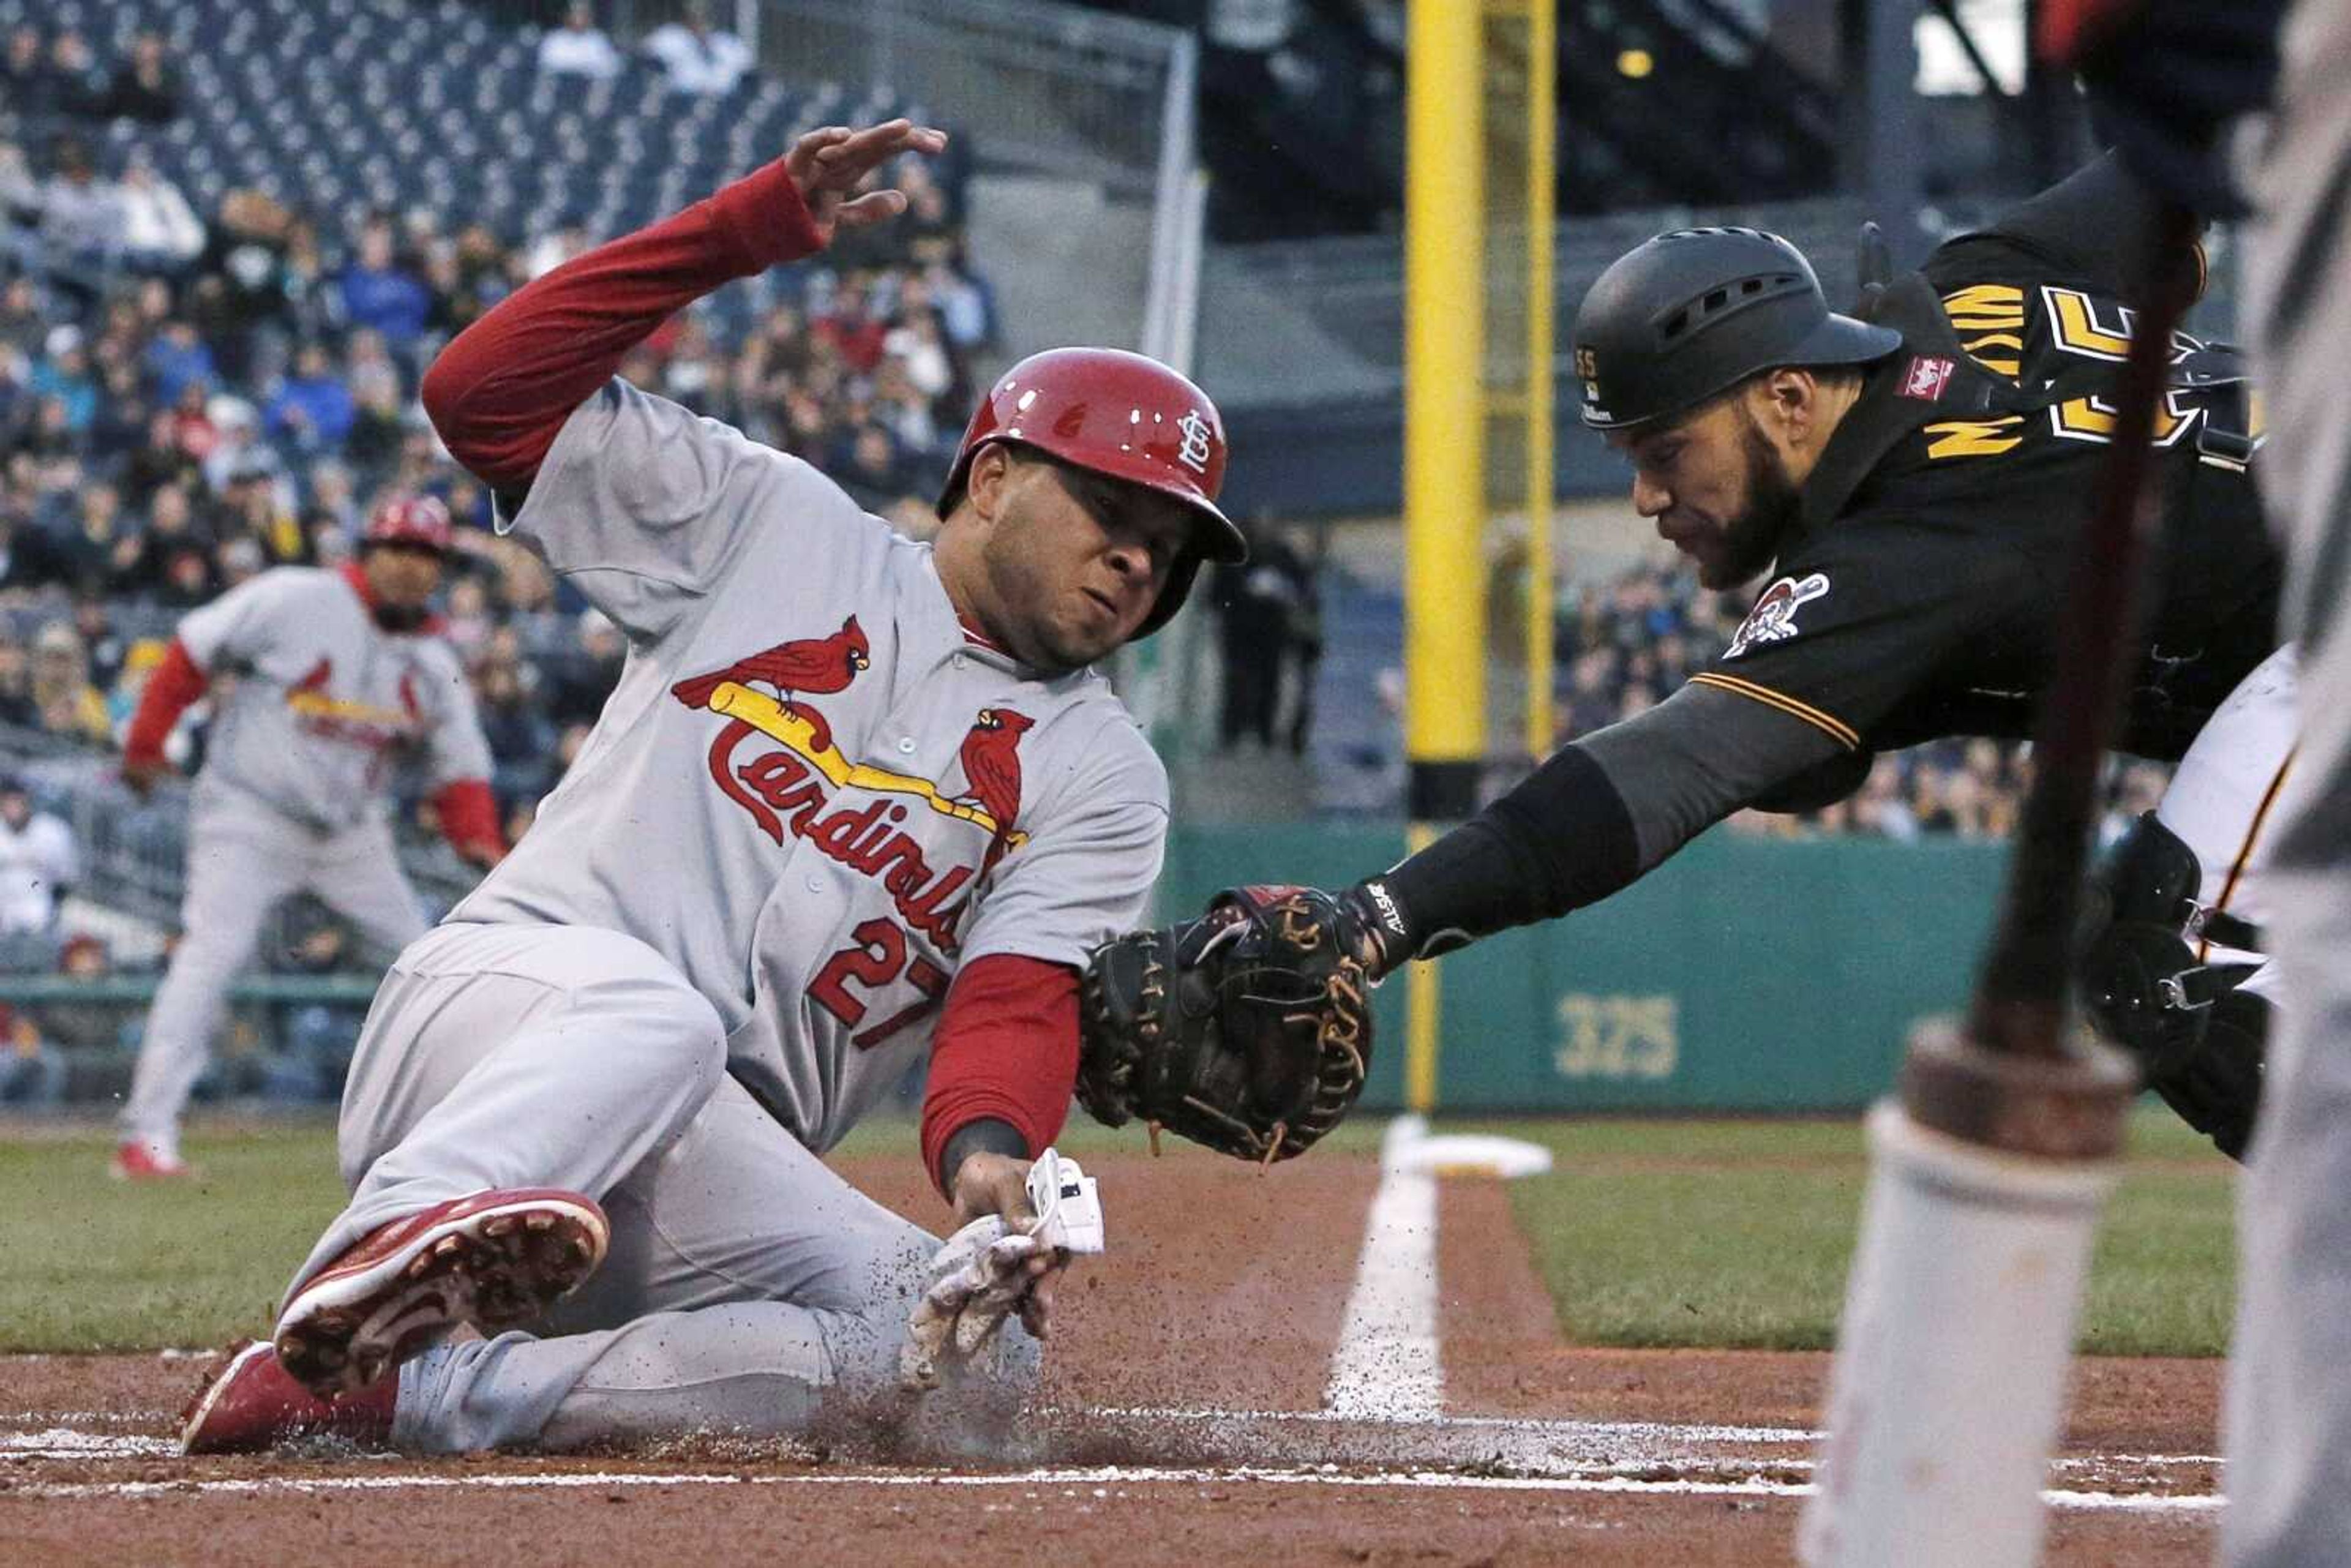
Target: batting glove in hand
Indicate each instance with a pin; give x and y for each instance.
(992, 1267)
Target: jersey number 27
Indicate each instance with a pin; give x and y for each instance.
(877, 958)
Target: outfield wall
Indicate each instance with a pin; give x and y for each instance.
(1759, 975)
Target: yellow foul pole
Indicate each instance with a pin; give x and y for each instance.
(1543, 126)
(1444, 450)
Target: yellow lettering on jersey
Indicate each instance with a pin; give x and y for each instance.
(1990, 316)
(2075, 324)
(1973, 438)
(2093, 419)
(1985, 307)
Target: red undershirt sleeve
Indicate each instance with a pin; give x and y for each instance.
(499, 394)
(1007, 1049)
(172, 687)
(468, 814)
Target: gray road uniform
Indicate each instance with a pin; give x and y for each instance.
(810, 797)
(2288, 1404)
(291, 795)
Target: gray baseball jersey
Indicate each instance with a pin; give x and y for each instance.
(811, 790)
(323, 696)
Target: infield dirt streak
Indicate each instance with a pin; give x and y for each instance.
(1198, 1347)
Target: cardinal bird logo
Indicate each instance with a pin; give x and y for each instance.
(809, 666)
(991, 771)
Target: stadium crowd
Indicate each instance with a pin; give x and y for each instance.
(188, 399)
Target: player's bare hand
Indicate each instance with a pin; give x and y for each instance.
(829, 163)
(988, 1184)
(143, 773)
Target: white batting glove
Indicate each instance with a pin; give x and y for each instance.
(987, 1270)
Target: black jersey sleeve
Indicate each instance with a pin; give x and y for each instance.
(1878, 617)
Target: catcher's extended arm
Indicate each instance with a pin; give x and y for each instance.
(1248, 1029)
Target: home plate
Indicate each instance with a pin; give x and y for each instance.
(1472, 1153)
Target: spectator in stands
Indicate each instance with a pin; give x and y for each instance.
(316, 1039)
(28, 559)
(868, 467)
(177, 356)
(145, 87)
(81, 217)
(125, 411)
(242, 292)
(242, 448)
(82, 1026)
(1880, 806)
(847, 327)
(579, 47)
(75, 70)
(379, 293)
(966, 303)
(63, 372)
(26, 84)
(313, 410)
(107, 648)
(1254, 606)
(68, 705)
(175, 563)
(24, 322)
(522, 742)
(32, 1071)
(102, 544)
(38, 862)
(18, 708)
(160, 232)
(578, 684)
(697, 57)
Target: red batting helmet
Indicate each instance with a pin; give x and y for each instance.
(421, 522)
(1123, 415)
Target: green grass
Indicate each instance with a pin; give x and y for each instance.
(1648, 1233)
(1739, 1234)
(90, 1264)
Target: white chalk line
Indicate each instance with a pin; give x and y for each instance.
(1387, 1365)
(1102, 1480)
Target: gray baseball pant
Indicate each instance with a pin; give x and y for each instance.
(245, 857)
(2287, 1418)
(749, 1288)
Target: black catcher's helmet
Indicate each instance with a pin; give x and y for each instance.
(1681, 318)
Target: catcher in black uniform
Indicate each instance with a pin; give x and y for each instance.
(1906, 483)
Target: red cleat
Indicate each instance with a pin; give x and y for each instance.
(250, 1404)
(135, 1159)
(492, 1261)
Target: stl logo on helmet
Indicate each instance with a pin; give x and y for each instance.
(1773, 619)
(793, 788)
(1198, 438)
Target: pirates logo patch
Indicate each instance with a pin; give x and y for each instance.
(1773, 619)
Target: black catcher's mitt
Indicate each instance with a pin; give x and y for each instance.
(1246, 1029)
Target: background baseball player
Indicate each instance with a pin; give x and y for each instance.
(1912, 484)
(852, 792)
(335, 671)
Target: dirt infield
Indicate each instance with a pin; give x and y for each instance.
(1182, 1422)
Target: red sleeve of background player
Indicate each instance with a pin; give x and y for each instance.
(171, 686)
(499, 394)
(1007, 1048)
(468, 814)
